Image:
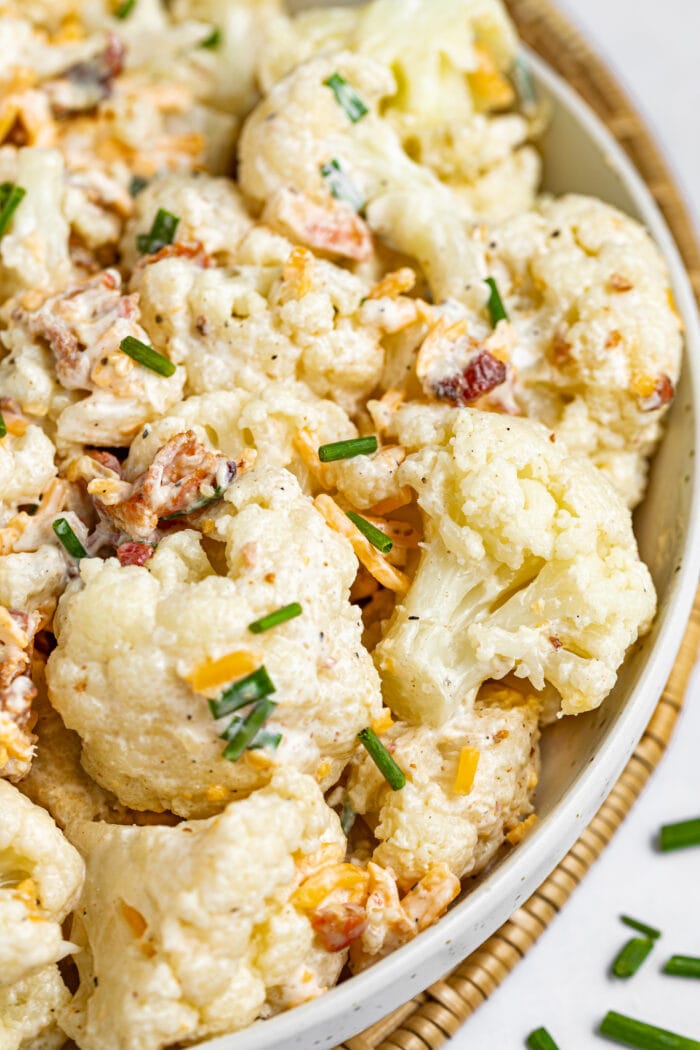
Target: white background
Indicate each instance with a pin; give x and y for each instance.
(654, 47)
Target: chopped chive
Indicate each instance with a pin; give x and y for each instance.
(147, 356)
(642, 927)
(199, 504)
(524, 84)
(137, 185)
(3, 426)
(375, 536)
(347, 817)
(68, 538)
(630, 1032)
(390, 770)
(496, 308)
(125, 8)
(632, 956)
(213, 40)
(248, 729)
(341, 185)
(680, 836)
(248, 690)
(10, 199)
(273, 619)
(346, 97)
(266, 739)
(683, 966)
(162, 232)
(540, 1039)
(363, 446)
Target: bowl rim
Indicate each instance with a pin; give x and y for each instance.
(364, 998)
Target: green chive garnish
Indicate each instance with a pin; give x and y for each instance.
(125, 8)
(213, 40)
(3, 426)
(68, 538)
(375, 536)
(273, 619)
(162, 232)
(540, 1039)
(680, 836)
(346, 97)
(390, 770)
(199, 504)
(147, 356)
(10, 198)
(683, 966)
(247, 730)
(248, 690)
(642, 927)
(347, 818)
(137, 185)
(496, 307)
(341, 185)
(266, 739)
(629, 1032)
(364, 446)
(632, 956)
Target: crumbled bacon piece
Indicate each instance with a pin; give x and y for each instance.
(560, 350)
(482, 374)
(107, 459)
(661, 395)
(334, 228)
(619, 283)
(181, 250)
(337, 927)
(556, 644)
(84, 85)
(133, 553)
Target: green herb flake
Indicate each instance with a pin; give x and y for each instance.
(643, 1036)
(3, 426)
(213, 40)
(387, 766)
(248, 690)
(540, 1039)
(375, 536)
(125, 8)
(632, 956)
(161, 234)
(680, 836)
(69, 540)
(337, 450)
(641, 927)
(683, 966)
(11, 197)
(246, 730)
(137, 185)
(148, 357)
(497, 310)
(341, 185)
(274, 619)
(346, 97)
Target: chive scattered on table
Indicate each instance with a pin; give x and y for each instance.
(540, 1039)
(641, 927)
(630, 1032)
(680, 836)
(683, 966)
(632, 956)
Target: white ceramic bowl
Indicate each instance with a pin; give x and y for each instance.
(583, 757)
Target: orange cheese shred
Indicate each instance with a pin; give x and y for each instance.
(466, 770)
(214, 673)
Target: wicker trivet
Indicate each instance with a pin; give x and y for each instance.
(428, 1020)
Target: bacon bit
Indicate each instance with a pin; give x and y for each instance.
(134, 553)
(180, 250)
(403, 498)
(334, 229)
(518, 833)
(339, 926)
(212, 674)
(383, 723)
(368, 555)
(482, 374)
(106, 459)
(466, 770)
(555, 642)
(619, 283)
(613, 340)
(553, 438)
(298, 274)
(560, 351)
(501, 735)
(661, 393)
(394, 284)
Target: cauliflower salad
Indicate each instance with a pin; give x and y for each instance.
(320, 432)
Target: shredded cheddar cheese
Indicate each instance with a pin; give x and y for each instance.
(215, 673)
(466, 770)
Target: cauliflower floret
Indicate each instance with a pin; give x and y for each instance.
(26, 468)
(279, 314)
(28, 1011)
(300, 130)
(450, 59)
(430, 821)
(531, 566)
(178, 618)
(83, 328)
(41, 876)
(175, 948)
(32, 581)
(210, 212)
(597, 348)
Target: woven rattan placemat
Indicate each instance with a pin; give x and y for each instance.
(428, 1020)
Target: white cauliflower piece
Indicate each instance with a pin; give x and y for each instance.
(450, 59)
(177, 615)
(300, 128)
(211, 214)
(530, 566)
(430, 821)
(175, 948)
(41, 876)
(28, 1011)
(83, 329)
(597, 347)
(26, 468)
(34, 256)
(32, 581)
(278, 314)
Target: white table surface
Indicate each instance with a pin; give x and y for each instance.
(563, 983)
